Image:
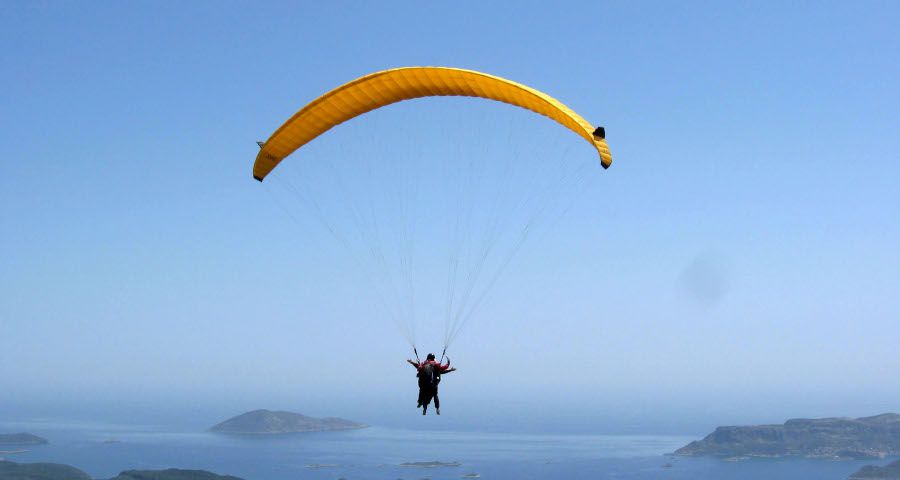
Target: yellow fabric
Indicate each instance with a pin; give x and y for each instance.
(390, 86)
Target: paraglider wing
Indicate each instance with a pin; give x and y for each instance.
(390, 86)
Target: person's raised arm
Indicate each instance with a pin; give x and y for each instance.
(413, 363)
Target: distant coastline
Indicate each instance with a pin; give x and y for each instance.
(867, 437)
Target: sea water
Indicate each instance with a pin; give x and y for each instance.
(379, 453)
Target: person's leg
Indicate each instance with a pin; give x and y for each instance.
(429, 392)
(421, 397)
(437, 402)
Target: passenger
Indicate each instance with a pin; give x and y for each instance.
(429, 374)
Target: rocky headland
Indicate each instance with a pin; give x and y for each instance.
(867, 437)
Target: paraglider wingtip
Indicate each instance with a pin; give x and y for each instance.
(258, 179)
(600, 132)
(261, 144)
(603, 164)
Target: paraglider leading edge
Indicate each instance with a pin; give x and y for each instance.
(390, 86)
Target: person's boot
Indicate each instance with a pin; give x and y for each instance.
(424, 409)
(437, 411)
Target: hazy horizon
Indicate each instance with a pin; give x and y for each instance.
(738, 263)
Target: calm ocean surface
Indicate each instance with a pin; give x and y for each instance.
(377, 453)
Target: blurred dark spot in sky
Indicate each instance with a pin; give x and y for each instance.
(705, 279)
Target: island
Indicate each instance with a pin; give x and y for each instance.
(890, 471)
(432, 464)
(21, 439)
(56, 471)
(267, 422)
(867, 437)
(40, 471)
(171, 474)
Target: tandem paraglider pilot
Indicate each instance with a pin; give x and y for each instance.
(429, 374)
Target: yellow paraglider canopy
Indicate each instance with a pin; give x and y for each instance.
(390, 86)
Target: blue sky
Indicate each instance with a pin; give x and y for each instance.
(755, 145)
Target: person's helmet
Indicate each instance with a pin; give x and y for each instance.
(430, 356)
